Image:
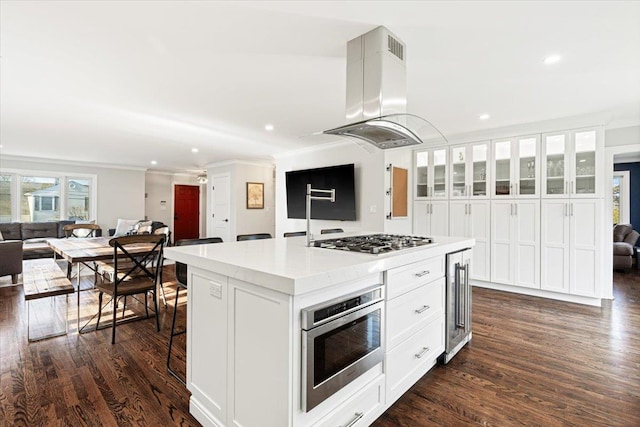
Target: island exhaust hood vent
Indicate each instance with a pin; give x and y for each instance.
(377, 94)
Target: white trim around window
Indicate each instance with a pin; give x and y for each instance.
(64, 178)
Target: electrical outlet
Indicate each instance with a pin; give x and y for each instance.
(373, 209)
(215, 290)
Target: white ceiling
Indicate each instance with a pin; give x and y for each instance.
(128, 82)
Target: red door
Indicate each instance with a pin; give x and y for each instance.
(186, 216)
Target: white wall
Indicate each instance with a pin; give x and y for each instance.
(243, 220)
(250, 221)
(622, 136)
(401, 158)
(159, 188)
(369, 181)
(120, 191)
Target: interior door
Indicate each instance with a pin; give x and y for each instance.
(186, 212)
(220, 207)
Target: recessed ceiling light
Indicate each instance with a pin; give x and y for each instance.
(153, 162)
(194, 150)
(552, 59)
(268, 127)
(484, 116)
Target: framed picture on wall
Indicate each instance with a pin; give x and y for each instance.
(255, 195)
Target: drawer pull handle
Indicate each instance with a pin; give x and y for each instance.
(423, 309)
(424, 351)
(422, 273)
(357, 417)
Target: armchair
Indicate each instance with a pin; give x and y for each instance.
(11, 259)
(624, 241)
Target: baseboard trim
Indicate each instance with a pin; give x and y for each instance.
(595, 302)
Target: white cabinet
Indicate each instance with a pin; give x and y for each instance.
(472, 219)
(431, 218)
(359, 410)
(206, 364)
(431, 173)
(515, 242)
(571, 247)
(572, 164)
(469, 173)
(414, 323)
(516, 168)
(228, 349)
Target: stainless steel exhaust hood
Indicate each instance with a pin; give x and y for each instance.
(376, 94)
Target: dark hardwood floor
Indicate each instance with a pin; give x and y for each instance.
(536, 362)
(531, 362)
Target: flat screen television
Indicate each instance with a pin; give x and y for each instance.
(339, 177)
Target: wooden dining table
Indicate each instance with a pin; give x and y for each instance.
(84, 251)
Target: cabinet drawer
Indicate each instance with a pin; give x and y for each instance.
(414, 310)
(360, 410)
(413, 358)
(403, 279)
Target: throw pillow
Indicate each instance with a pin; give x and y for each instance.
(142, 227)
(124, 226)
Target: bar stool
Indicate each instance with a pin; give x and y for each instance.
(181, 277)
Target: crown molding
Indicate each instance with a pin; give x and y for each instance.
(265, 163)
(69, 162)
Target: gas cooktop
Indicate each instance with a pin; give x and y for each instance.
(374, 243)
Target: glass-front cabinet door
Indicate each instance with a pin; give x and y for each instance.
(516, 167)
(572, 163)
(556, 181)
(527, 168)
(459, 186)
(502, 185)
(479, 159)
(422, 174)
(470, 170)
(583, 181)
(431, 173)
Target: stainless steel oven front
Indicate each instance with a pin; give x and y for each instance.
(341, 340)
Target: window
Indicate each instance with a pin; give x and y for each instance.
(46, 196)
(621, 197)
(78, 204)
(5, 198)
(37, 194)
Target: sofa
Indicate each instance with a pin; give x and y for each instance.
(11, 259)
(625, 239)
(34, 236)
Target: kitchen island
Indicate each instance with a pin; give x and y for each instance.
(245, 351)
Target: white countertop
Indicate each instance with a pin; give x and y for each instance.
(287, 265)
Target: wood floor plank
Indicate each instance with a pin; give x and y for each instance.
(532, 362)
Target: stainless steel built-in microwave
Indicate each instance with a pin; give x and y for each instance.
(341, 340)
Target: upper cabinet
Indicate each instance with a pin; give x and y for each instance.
(469, 172)
(431, 173)
(572, 165)
(516, 167)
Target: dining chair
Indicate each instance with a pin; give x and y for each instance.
(167, 242)
(131, 274)
(295, 233)
(80, 231)
(256, 236)
(181, 278)
(331, 230)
